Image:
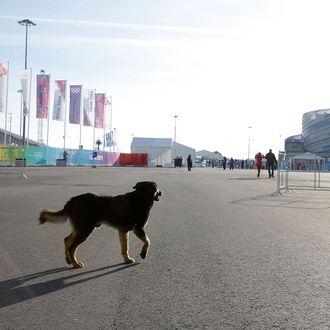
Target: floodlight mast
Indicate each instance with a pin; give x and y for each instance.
(25, 22)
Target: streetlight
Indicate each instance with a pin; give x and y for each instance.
(175, 118)
(26, 23)
(249, 143)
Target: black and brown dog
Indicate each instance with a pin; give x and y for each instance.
(124, 212)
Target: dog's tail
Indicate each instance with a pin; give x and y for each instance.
(53, 216)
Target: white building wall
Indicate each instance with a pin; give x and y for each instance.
(161, 152)
(157, 156)
(180, 150)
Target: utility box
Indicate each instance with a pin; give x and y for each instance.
(60, 162)
(178, 162)
(20, 162)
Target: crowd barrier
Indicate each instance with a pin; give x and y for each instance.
(46, 156)
(289, 177)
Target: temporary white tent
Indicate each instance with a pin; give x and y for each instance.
(182, 151)
(307, 161)
(307, 156)
(161, 151)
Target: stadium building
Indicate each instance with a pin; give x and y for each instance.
(315, 136)
(316, 132)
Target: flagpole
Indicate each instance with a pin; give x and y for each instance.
(110, 113)
(20, 112)
(80, 117)
(93, 145)
(28, 132)
(65, 109)
(6, 112)
(48, 112)
(104, 120)
(111, 125)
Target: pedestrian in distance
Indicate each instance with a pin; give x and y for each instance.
(65, 156)
(271, 162)
(231, 163)
(258, 159)
(224, 162)
(189, 162)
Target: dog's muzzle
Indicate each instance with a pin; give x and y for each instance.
(157, 194)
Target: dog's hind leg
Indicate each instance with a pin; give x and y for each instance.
(73, 245)
(123, 238)
(67, 243)
(140, 233)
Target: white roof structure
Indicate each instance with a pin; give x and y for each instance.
(307, 156)
(209, 155)
(151, 142)
(161, 151)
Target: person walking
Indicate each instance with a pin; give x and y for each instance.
(189, 162)
(231, 163)
(258, 159)
(224, 162)
(271, 162)
(65, 156)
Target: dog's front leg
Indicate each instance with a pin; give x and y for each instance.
(123, 237)
(140, 233)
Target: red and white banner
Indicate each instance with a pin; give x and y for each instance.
(88, 106)
(59, 100)
(3, 86)
(99, 110)
(26, 88)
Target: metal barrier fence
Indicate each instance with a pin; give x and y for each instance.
(308, 179)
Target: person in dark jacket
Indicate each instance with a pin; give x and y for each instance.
(224, 162)
(189, 162)
(271, 162)
(231, 163)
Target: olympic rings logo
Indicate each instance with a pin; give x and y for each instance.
(75, 90)
(37, 154)
(98, 157)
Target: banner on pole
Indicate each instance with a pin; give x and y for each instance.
(42, 95)
(3, 86)
(88, 106)
(75, 100)
(26, 87)
(109, 139)
(99, 110)
(59, 100)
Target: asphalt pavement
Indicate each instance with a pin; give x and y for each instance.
(226, 253)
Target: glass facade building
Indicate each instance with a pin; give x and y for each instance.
(316, 132)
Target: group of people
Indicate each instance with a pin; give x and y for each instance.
(271, 162)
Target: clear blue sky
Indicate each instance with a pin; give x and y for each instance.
(219, 65)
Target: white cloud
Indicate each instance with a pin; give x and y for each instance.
(123, 26)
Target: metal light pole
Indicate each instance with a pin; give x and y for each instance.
(249, 143)
(175, 118)
(26, 23)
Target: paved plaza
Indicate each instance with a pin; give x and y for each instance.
(226, 253)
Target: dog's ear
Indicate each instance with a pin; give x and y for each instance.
(145, 184)
(138, 185)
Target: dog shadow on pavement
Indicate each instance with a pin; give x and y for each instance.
(14, 291)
